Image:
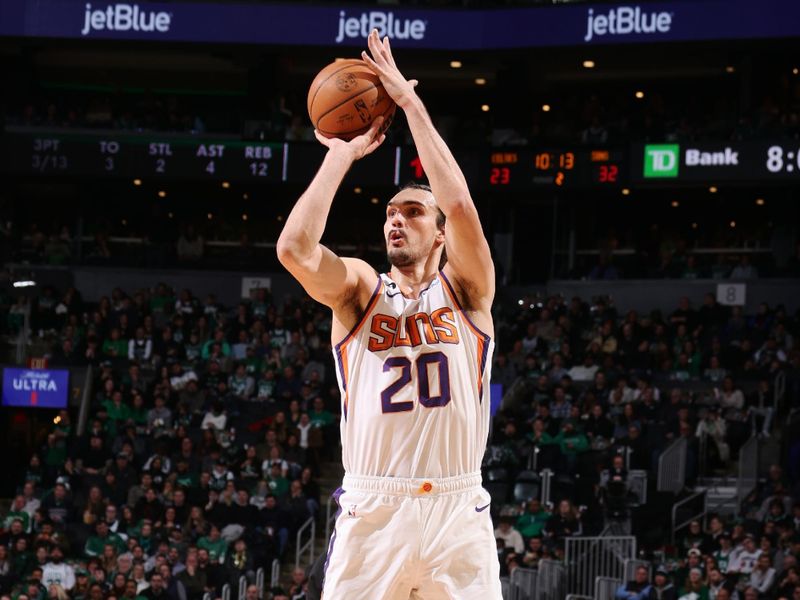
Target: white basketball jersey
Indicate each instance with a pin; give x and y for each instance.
(414, 377)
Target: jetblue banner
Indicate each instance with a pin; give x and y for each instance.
(572, 25)
(35, 388)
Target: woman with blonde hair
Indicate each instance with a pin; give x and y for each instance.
(56, 592)
(694, 588)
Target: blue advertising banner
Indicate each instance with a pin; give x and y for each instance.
(35, 388)
(285, 24)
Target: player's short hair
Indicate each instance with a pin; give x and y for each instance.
(413, 185)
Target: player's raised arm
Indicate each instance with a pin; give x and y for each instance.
(326, 277)
(468, 257)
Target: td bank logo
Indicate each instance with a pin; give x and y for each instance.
(661, 160)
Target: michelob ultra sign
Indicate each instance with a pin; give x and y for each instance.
(35, 388)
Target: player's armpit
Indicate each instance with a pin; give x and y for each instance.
(343, 284)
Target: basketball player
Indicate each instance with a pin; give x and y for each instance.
(413, 349)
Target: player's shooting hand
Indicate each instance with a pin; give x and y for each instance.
(359, 146)
(382, 63)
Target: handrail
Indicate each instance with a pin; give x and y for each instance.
(779, 390)
(547, 476)
(242, 591)
(748, 470)
(677, 505)
(672, 466)
(605, 587)
(702, 449)
(207, 596)
(260, 582)
(86, 399)
(330, 517)
(308, 546)
(275, 575)
(226, 592)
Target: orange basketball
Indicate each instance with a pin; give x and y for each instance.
(345, 97)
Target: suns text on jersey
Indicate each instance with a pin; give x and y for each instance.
(387, 331)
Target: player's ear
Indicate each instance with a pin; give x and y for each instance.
(440, 234)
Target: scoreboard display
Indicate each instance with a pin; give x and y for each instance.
(570, 168)
(139, 156)
(154, 156)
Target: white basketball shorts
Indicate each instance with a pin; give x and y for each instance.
(401, 539)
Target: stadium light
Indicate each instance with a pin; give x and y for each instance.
(626, 192)
(137, 182)
(480, 81)
(639, 94)
(760, 202)
(545, 107)
(23, 283)
(485, 107)
(588, 64)
(162, 194)
(675, 204)
(730, 69)
(226, 185)
(713, 189)
(455, 64)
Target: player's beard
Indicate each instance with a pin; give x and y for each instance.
(400, 257)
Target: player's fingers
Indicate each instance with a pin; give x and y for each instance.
(374, 145)
(376, 68)
(321, 138)
(413, 82)
(375, 46)
(375, 127)
(387, 51)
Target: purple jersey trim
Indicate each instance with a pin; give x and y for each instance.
(338, 348)
(336, 495)
(363, 318)
(486, 337)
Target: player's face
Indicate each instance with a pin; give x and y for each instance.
(410, 229)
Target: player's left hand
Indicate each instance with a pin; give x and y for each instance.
(400, 89)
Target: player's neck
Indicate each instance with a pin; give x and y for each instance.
(411, 280)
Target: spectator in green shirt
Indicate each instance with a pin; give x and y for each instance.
(115, 346)
(278, 484)
(219, 338)
(117, 410)
(572, 442)
(95, 544)
(214, 544)
(319, 416)
(18, 513)
(531, 522)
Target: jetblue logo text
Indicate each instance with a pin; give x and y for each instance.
(125, 17)
(386, 23)
(625, 20)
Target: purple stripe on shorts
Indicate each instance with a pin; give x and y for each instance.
(336, 495)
